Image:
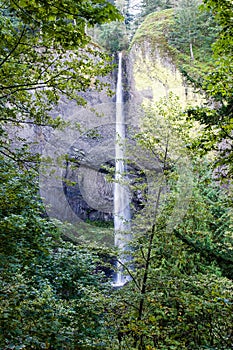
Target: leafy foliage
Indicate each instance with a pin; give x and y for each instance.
(216, 83)
(46, 53)
(210, 232)
(177, 296)
(51, 294)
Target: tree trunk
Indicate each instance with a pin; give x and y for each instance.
(191, 51)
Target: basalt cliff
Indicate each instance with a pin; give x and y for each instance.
(74, 176)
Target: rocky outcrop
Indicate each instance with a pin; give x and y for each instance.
(153, 64)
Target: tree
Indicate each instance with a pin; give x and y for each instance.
(113, 37)
(209, 233)
(217, 85)
(149, 6)
(192, 28)
(46, 53)
(47, 286)
(177, 296)
(51, 294)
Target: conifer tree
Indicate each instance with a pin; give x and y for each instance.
(192, 28)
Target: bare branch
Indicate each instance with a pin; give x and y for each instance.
(129, 272)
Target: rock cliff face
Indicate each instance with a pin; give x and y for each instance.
(72, 182)
(75, 186)
(153, 64)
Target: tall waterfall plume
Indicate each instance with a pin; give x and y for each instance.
(121, 191)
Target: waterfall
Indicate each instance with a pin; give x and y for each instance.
(121, 191)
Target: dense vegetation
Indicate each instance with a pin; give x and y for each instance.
(54, 293)
(50, 290)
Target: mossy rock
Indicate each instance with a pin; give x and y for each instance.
(155, 29)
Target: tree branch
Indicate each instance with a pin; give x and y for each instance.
(14, 48)
(129, 272)
(23, 122)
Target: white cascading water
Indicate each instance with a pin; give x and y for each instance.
(121, 191)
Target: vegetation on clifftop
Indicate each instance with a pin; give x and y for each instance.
(160, 31)
(154, 29)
